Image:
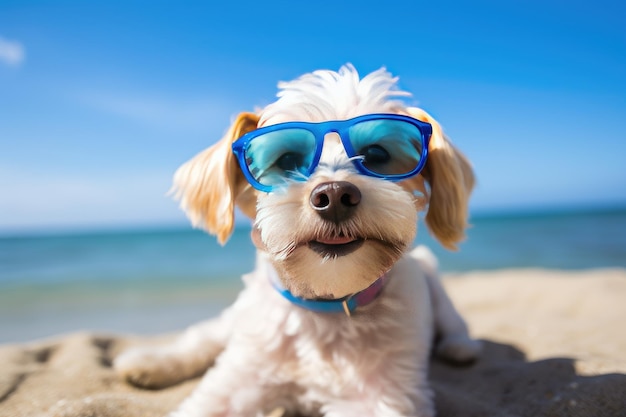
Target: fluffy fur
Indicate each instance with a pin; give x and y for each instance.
(264, 352)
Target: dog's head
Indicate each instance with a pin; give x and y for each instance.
(329, 212)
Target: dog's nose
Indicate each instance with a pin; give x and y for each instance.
(336, 200)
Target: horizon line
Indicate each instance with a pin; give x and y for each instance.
(482, 213)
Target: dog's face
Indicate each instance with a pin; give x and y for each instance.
(336, 231)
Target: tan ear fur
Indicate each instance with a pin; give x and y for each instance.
(451, 180)
(210, 183)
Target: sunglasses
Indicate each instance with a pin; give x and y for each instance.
(388, 146)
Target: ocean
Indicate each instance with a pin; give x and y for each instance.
(160, 280)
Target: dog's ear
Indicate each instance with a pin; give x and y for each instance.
(209, 185)
(451, 180)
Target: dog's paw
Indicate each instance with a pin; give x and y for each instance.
(458, 349)
(148, 368)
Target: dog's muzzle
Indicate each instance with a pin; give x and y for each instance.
(335, 201)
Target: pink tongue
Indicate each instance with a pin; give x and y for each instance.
(336, 240)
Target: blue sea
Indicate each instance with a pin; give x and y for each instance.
(163, 279)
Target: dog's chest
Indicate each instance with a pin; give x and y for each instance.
(333, 356)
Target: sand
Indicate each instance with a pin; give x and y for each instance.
(553, 346)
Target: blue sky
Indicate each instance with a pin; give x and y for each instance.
(100, 102)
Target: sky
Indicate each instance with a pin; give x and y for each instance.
(101, 101)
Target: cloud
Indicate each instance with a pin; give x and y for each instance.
(60, 201)
(11, 52)
(175, 113)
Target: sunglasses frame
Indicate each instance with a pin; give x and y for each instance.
(319, 131)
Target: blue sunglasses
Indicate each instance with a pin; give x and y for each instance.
(388, 146)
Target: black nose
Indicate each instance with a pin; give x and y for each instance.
(335, 201)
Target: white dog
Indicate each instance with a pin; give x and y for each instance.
(339, 317)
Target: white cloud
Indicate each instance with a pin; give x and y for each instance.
(52, 201)
(11, 52)
(175, 113)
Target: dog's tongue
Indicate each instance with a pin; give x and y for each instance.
(339, 240)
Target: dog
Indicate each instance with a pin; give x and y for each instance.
(340, 315)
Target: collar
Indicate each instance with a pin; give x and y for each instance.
(345, 304)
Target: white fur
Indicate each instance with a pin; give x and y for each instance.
(328, 95)
(269, 353)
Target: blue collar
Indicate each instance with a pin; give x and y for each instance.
(345, 304)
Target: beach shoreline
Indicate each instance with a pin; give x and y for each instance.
(553, 346)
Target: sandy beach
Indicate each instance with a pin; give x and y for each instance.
(553, 346)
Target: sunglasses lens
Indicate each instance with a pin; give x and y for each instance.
(275, 157)
(387, 147)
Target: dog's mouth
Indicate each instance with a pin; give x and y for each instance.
(335, 246)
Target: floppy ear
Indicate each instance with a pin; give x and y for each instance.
(451, 180)
(209, 185)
